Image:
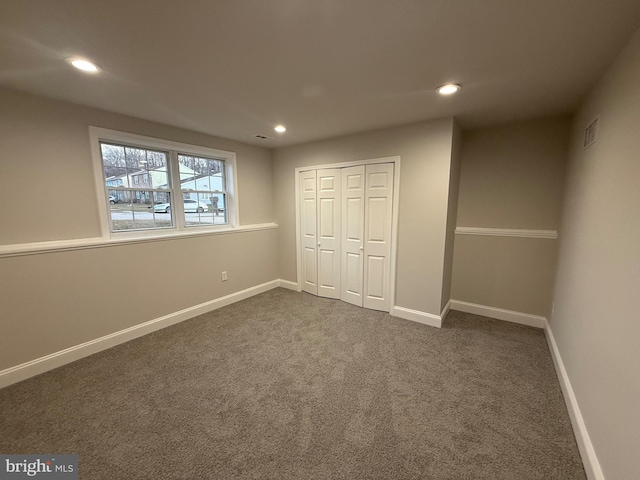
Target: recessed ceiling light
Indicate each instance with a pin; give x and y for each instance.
(448, 89)
(84, 65)
(280, 129)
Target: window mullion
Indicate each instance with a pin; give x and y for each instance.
(177, 205)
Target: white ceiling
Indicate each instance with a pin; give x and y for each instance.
(236, 68)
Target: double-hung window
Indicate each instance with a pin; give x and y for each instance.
(150, 185)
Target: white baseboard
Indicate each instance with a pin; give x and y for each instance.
(287, 284)
(417, 316)
(68, 355)
(445, 310)
(499, 313)
(587, 452)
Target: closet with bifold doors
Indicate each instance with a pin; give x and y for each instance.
(345, 232)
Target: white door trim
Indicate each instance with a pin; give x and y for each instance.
(394, 215)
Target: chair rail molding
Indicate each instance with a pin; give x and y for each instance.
(507, 232)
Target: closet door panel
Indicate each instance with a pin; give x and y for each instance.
(377, 236)
(353, 181)
(329, 182)
(308, 224)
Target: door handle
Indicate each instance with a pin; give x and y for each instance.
(361, 248)
(318, 243)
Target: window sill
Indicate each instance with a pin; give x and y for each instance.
(21, 249)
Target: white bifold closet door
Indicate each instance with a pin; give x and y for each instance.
(308, 228)
(345, 223)
(378, 198)
(352, 235)
(329, 211)
(320, 211)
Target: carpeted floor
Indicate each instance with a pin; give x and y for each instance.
(286, 385)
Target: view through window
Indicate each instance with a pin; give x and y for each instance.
(143, 184)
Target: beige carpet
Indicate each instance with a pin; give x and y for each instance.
(285, 385)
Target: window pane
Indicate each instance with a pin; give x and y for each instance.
(187, 172)
(139, 209)
(199, 173)
(205, 209)
(116, 196)
(134, 158)
(218, 207)
(157, 169)
(113, 165)
(201, 178)
(197, 212)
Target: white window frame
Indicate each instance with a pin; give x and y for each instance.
(97, 135)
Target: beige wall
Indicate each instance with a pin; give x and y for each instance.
(512, 175)
(597, 311)
(511, 178)
(52, 301)
(505, 272)
(452, 214)
(46, 163)
(425, 151)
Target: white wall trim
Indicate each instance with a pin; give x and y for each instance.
(288, 284)
(499, 313)
(98, 242)
(507, 232)
(445, 310)
(354, 163)
(417, 316)
(587, 452)
(43, 364)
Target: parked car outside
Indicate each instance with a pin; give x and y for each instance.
(190, 206)
(113, 199)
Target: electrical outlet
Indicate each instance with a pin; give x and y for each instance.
(224, 276)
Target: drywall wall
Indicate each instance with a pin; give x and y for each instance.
(505, 272)
(425, 151)
(46, 175)
(511, 178)
(596, 322)
(452, 213)
(512, 175)
(55, 300)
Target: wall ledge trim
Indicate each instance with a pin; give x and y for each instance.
(587, 452)
(417, 316)
(507, 232)
(57, 359)
(499, 313)
(20, 249)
